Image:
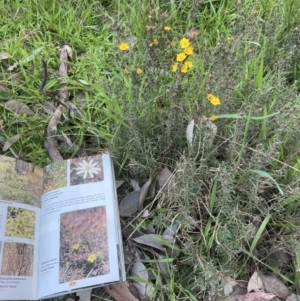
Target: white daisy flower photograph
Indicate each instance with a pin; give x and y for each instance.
(86, 170)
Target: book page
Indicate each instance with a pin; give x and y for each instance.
(78, 242)
(20, 196)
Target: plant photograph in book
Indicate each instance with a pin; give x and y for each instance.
(86, 170)
(17, 259)
(55, 176)
(83, 244)
(20, 181)
(20, 223)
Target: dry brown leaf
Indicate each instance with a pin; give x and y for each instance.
(10, 142)
(166, 181)
(84, 295)
(120, 292)
(135, 185)
(119, 183)
(18, 107)
(293, 297)
(4, 56)
(129, 204)
(139, 270)
(143, 193)
(148, 240)
(190, 132)
(255, 283)
(163, 266)
(275, 286)
(259, 296)
(229, 286)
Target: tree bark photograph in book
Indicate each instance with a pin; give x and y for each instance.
(55, 176)
(17, 259)
(86, 170)
(20, 223)
(20, 181)
(83, 244)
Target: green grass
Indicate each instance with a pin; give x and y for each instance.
(235, 191)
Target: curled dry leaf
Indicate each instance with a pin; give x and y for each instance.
(150, 229)
(85, 295)
(129, 204)
(10, 142)
(166, 181)
(135, 185)
(190, 132)
(119, 183)
(149, 240)
(229, 286)
(171, 230)
(143, 193)
(146, 213)
(256, 296)
(255, 283)
(18, 107)
(163, 266)
(275, 286)
(4, 56)
(139, 270)
(259, 296)
(131, 253)
(293, 297)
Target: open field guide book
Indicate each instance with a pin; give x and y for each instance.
(59, 228)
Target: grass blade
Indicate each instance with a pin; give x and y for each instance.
(259, 232)
(263, 174)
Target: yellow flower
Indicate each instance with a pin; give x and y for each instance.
(189, 50)
(139, 71)
(155, 41)
(126, 71)
(184, 69)
(229, 38)
(123, 46)
(189, 64)
(186, 66)
(215, 101)
(174, 67)
(213, 117)
(184, 43)
(180, 57)
(167, 28)
(76, 246)
(92, 258)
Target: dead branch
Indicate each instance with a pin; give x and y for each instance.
(120, 291)
(56, 117)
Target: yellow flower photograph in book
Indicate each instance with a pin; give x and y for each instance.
(83, 238)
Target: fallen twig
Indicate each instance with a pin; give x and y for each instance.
(56, 117)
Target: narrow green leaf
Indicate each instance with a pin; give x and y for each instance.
(259, 232)
(262, 174)
(269, 267)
